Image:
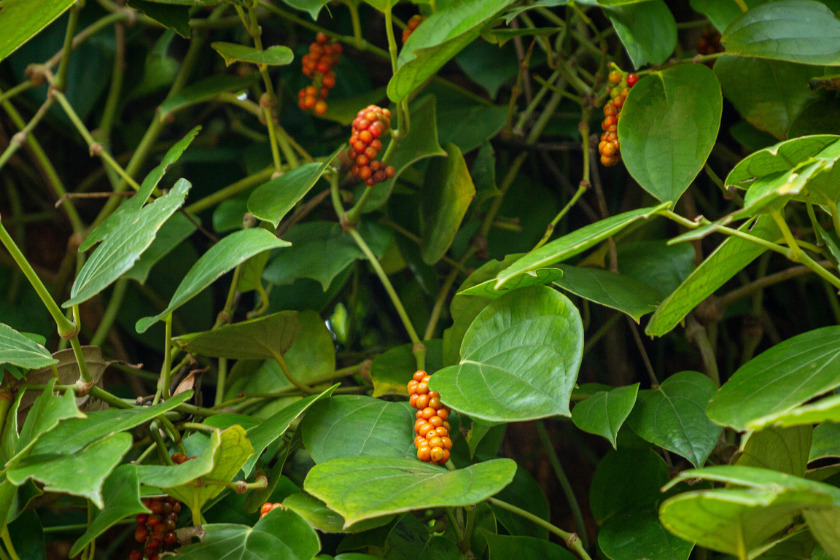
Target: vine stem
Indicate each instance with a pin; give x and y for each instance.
(565, 485)
(72, 21)
(166, 368)
(7, 540)
(386, 283)
(550, 228)
(66, 328)
(571, 539)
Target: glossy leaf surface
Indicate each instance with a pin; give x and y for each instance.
(646, 29)
(19, 350)
(519, 359)
(604, 412)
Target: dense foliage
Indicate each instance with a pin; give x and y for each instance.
(438, 279)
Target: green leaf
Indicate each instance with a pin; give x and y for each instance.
(391, 371)
(46, 412)
(204, 90)
(526, 493)
(322, 518)
(506, 547)
(277, 55)
(781, 449)
(821, 116)
(823, 410)
(604, 412)
(576, 242)
(513, 12)
(668, 127)
(646, 29)
(162, 476)
(22, 351)
(802, 31)
(626, 294)
(722, 264)
(262, 338)
(672, 416)
(223, 256)
(344, 110)
(321, 250)
(626, 480)
(767, 93)
(121, 496)
(127, 211)
(228, 458)
(171, 234)
(81, 474)
(824, 524)
(22, 20)
(123, 246)
(74, 434)
(274, 427)
(271, 201)
(313, 7)
(639, 534)
(176, 18)
(741, 520)
(825, 441)
(360, 488)
(539, 277)
(470, 126)
(357, 425)
(519, 359)
(448, 192)
(280, 534)
(778, 380)
(661, 266)
(439, 39)
(721, 14)
(421, 142)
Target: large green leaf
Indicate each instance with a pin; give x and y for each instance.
(575, 242)
(781, 449)
(639, 534)
(624, 293)
(23, 19)
(803, 31)
(321, 250)
(127, 210)
(46, 412)
(448, 192)
(22, 351)
(519, 359)
(124, 245)
(361, 488)
(604, 412)
(271, 201)
(280, 534)
(262, 338)
(506, 547)
(74, 434)
(176, 229)
(440, 38)
(421, 142)
(768, 94)
(324, 519)
(741, 518)
(726, 261)
(121, 496)
(274, 427)
(646, 29)
(823, 410)
(276, 55)
(669, 124)
(357, 425)
(673, 416)
(81, 474)
(221, 257)
(824, 524)
(778, 380)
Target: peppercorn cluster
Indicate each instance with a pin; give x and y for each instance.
(411, 25)
(620, 85)
(370, 123)
(156, 531)
(318, 65)
(266, 507)
(432, 441)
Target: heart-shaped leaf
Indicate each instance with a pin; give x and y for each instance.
(801, 31)
(668, 126)
(673, 416)
(778, 380)
(604, 412)
(357, 425)
(361, 488)
(280, 534)
(519, 359)
(221, 257)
